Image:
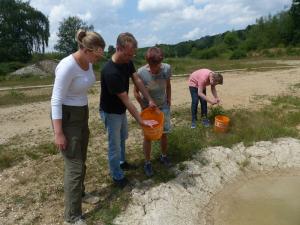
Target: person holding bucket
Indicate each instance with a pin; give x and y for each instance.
(198, 81)
(114, 101)
(156, 77)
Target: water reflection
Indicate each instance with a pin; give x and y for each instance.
(264, 200)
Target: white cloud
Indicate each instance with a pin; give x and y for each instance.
(158, 21)
(117, 3)
(85, 17)
(159, 5)
(195, 33)
(150, 40)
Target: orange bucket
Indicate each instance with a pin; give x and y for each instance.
(221, 123)
(155, 132)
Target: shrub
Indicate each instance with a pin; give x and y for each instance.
(8, 67)
(238, 54)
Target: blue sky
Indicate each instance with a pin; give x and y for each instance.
(158, 21)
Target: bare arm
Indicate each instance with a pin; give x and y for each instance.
(137, 96)
(203, 96)
(141, 87)
(60, 139)
(214, 93)
(131, 108)
(169, 91)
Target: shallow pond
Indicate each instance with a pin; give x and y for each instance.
(272, 199)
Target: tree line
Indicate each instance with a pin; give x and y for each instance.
(25, 31)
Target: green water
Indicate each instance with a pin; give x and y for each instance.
(267, 200)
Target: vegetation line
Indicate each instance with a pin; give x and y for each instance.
(254, 68)
(176, 75)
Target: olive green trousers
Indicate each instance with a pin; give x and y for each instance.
(76, 131)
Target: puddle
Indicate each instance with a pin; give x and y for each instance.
(272, 199)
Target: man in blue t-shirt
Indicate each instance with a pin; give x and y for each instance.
(114, 101)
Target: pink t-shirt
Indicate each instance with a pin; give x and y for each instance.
(199, 78)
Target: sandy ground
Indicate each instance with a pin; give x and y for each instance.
(39, 182)
(240, 89)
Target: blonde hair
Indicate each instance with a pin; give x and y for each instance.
(89, 39)
(217, 77)
(125, 38)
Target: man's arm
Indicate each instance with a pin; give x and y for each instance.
(131, 108)
(168, 92)
(137, 96)
(141, 87)
(214, 93)
(203, 96)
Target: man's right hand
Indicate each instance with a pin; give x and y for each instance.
(149, 123)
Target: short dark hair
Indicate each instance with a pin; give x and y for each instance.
(125, 38)
(154, 56)
(218, 77)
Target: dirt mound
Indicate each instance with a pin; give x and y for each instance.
(42, 68)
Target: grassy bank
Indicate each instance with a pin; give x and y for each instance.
(279, 119)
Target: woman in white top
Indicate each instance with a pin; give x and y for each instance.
(69, 111)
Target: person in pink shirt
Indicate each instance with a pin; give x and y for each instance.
(198, 81)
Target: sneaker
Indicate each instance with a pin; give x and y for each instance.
(205, 122)
(126, 166)
(78, 222)
(121, 183)
(165, 161)
(193, 126)
(90, 199)
(148, 169)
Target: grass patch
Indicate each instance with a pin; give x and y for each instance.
(15, 97)
(188, 65)
(273, 121)
(10, 156)
(116, 201)
(297, 85)
(246, 126)
(179, 66)
(26, 80)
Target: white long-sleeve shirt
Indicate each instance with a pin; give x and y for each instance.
(70, 86)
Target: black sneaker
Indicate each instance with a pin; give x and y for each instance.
(165, 161)
(126, 166)
(148, 169)
(121, 183)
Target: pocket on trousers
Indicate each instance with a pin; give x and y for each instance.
(73, 148)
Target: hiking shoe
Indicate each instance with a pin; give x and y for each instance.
(78, 222)
(121, 183)
(126, 166)
(193, 126)
(148, 169)
(165, 161)
(90, 199)
(205, 122)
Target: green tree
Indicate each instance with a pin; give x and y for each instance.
(295, 14)
(66, 43)
(231, 39)
(110, 51)
(23, 30)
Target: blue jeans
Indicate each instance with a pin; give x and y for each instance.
(117, 129)
(195, 101)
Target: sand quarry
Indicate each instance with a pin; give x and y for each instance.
(31, 191)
